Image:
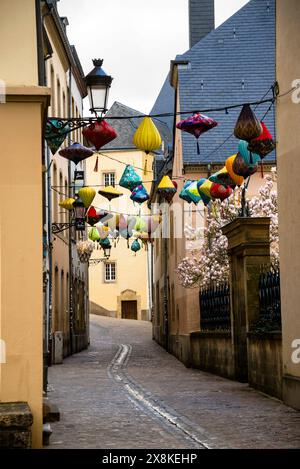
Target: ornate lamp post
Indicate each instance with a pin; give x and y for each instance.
(80, 212)
(98, 85)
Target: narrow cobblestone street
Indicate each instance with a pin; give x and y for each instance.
(125, 391)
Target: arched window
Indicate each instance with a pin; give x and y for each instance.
(62, 309)
(56, 299)
(59, 114)
(61, 197)
(55, 195)
(52, 86)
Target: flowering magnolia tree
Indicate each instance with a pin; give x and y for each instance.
(210, 263)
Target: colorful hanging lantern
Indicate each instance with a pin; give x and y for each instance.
(152, 223)
(241, 168)
(218, 191)
(110, 193)
(166, 188)
(139, 194)
(76, 153)
(264, 144)
(135, 247)
(87, 195)
(192, 191)
(184, 195)
(248, 126)
(147, 138)
(249, 157)
(204, 186)
(94, 234)
(99, 133)
(55, 134)
(114, 222)
(103, 231)
(130, 179)
(106, 246)
(237, 179)
(92, 216)
(197, 124)
(140, 224)
(126, 226)
(222, 177)
(67, 204)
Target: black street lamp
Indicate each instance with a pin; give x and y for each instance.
(98, 85)
(80, 212)
(106, 246)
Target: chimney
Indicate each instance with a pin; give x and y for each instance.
(201, 19)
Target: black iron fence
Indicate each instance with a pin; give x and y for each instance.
(215, 308)
(269, 296)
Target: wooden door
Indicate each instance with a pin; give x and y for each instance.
(129, 309)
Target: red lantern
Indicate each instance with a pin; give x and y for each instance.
(264, 144)
(76, 153)
(99, 133)
(218, 191)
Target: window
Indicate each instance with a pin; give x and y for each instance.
(52, 84)
(55, 195)
(109, 179)
(110, 272)
(61, 213)
(58, 99)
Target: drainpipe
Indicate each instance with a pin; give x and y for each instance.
(50, 260)
(45, 199)
(149, 270)
(40, 49)
(165, 297)
(70, 229)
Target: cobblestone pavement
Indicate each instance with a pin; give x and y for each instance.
(125, 391)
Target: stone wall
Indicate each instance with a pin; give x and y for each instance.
(212, 352)
(265, 363)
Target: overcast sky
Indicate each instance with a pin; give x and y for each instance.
(136, 38)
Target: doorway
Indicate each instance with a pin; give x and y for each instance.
(129, 309)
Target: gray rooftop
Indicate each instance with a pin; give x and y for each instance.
(233, 64)
(126, 128)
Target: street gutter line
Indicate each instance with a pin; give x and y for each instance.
(115, 372)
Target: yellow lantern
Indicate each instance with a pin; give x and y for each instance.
(67, 204)
(147, 137)
(87, 195)
(238, 180)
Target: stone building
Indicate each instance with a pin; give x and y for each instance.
(38, 68)
(67, 277)
(221, 68)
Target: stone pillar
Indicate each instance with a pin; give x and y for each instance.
(15, 425)
(248, 249)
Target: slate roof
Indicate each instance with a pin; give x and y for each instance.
(126, 128)
(241, 50)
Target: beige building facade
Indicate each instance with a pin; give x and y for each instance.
(288, 118)
(22, 122)
(37, 67)
(64, 76)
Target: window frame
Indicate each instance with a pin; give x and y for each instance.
(110, 280)
(109, 174)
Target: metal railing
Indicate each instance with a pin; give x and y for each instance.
(269, 296)
(215, 308)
